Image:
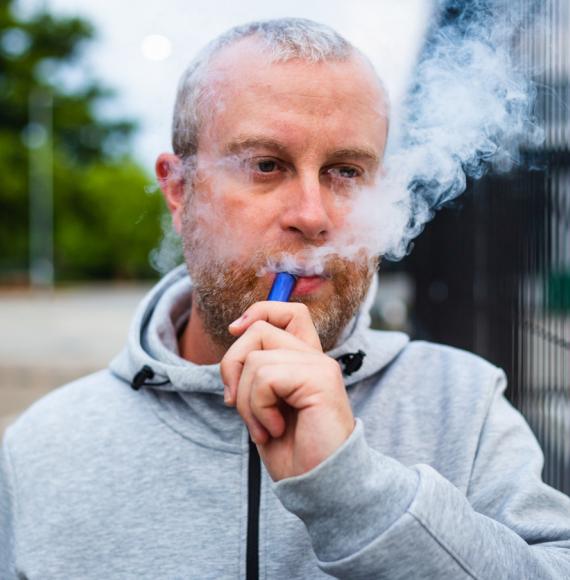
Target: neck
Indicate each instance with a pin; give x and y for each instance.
(196, 345)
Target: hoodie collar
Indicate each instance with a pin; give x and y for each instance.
(153, 342)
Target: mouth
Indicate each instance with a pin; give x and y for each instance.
(311, 275)
(308, 284)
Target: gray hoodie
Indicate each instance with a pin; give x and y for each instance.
(440, 478)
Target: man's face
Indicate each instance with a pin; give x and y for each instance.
(280, 157)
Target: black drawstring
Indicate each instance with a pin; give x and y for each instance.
(141, 378)
(351, 362)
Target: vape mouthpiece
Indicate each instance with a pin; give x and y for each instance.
(282, 288)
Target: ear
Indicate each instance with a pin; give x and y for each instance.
(170, 176)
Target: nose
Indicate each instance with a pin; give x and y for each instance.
(306, 210)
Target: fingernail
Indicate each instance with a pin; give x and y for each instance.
(238, 320)
(227, 395)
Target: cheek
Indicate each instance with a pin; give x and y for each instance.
(340, 212)
(232, 231)
(252, 215)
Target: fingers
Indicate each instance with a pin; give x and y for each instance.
(261, 414)
(261, 336)
(261, 369)
(292, 317)
(271, 379)
(257, 368)
(258, 403)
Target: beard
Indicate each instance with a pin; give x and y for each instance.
(224, 289)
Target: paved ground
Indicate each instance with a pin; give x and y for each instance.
(50, 338)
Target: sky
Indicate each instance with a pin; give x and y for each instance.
(141, 50)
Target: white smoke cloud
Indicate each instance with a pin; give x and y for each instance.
(470, 110)
(168, 254)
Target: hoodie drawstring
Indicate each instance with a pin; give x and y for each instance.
(351, 362)
(140, 379)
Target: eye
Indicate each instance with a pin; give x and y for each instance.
(266, 166)
(348, 172)
(345, 172)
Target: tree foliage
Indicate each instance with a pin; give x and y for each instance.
(104, 223)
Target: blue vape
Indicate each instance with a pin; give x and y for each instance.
(282, 288)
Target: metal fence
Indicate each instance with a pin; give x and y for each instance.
(492, 273)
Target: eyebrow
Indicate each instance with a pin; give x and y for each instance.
(244, 143)
(356, 153)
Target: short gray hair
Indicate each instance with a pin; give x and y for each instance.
(284, 39)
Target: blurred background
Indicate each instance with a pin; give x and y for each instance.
(86, 95)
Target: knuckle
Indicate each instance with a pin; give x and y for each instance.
(263, 375)
(255, 406)
(253, 358)
(259, 326)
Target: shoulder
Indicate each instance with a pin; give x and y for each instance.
(436, 357)
(426, 356)
(430, 357)
(455, 377)
(452, 376)
(73, 412)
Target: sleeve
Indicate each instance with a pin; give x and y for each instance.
(7, 571)
(369, 516)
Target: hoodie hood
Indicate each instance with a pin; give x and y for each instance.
(151, 357)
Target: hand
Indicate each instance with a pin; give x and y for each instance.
(289, 393)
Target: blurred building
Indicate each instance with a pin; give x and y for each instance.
(492, 273)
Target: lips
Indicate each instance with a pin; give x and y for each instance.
(308, 284)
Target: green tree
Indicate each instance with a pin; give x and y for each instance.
(104, 223)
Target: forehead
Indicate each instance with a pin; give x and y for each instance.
(296, 99)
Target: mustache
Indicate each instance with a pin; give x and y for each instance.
(319, 261)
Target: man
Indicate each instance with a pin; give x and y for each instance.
(380, 458)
